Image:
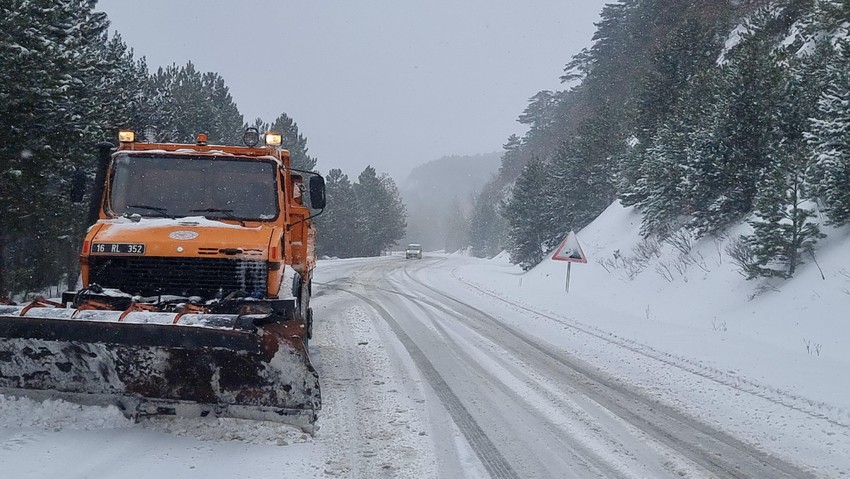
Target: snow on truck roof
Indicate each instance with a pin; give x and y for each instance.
(192, 151)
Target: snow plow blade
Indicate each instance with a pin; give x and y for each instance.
(150, 363)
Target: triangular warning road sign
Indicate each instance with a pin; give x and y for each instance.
(570, 250)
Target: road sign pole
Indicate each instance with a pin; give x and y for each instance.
(567, 287)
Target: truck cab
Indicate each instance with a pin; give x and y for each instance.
(203, 223)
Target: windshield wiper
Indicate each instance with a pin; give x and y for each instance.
(227, 213)
(158, 209)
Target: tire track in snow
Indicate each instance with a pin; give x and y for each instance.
(489, 455)
(570, 451)
(725, 456)
(774, 395)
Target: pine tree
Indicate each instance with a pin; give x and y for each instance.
(734, 145)
(456, 223)
(380, 220)
(511, 159)
(395, 213)
(580, 180)
(674, 64)
(829, 138)
(526, 218)
(194, 102)
(783, 229)
(57, 66)
(545, 117)
(337, 225)
(486, 225)
(660, 185)
(226, 124)
(785, 222)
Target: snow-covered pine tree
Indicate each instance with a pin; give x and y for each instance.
(226, 123)
(580, 179)
(187, 96)
(456, 235)
(526, 217)
(829, 138)
(193, 102)
(661, 180)
(337, 223)
(785, 223)
(669, 96)
(487, 226)
(511, 159)
(381, 215)
(394, 222)
(784, 227)
(678, 173)
(57, 68)
(785, 220)
(738, 145)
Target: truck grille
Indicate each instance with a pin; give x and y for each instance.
(204, 277)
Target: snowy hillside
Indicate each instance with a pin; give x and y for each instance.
(792, 334)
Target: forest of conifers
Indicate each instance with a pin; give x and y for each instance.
(701, 114)
(67, 84)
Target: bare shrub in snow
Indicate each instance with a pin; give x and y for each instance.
(718, 248)
(699, 261)
(663, 269)
(648, 314)
(811, 252)
(681, 265)
(642, 254)
(742, 255)
(682, 241)
(812, 348)
(763, 288)
(634, 264)
(683, 244)
(718, 325)
(647, 249)
(633, 267)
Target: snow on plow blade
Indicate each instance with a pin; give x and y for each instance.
(208, 364)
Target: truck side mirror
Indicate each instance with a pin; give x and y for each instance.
(78, 186)
(317, 192)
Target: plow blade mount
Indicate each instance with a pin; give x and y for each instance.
(206, 365)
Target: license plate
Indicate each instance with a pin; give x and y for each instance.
(117, 248)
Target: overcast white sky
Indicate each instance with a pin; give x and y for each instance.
(389, 83)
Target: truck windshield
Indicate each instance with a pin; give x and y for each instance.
(178, 186)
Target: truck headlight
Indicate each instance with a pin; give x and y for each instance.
(126, 136)
(274, 139)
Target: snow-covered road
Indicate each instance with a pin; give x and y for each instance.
(427, 372)
(520, 404)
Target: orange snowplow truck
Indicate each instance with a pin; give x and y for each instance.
(197, 280)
